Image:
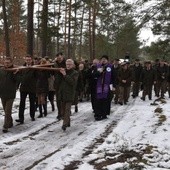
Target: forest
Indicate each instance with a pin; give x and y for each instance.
(83, 29)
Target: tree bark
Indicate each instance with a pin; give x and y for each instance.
(7, 41)
(74, 33)
(81, 34)
(58, 23)
(65, 30)
(44, 27)
(69, 30)
(30, 27)
(94, 30)
(90, 34)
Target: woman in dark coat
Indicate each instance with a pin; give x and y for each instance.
(79, 87)
(42, 88)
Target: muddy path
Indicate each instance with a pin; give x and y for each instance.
(33, 144)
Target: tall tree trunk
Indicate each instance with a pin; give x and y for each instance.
(94, 30)
(38, 27)
(30, 27)
(44, 27)
(58, 23)
(69, 30)
(90, 34)
(7, 41)
(65, 30)
(74, 32)
(81, 34)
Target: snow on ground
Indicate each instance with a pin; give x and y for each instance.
(135, 136)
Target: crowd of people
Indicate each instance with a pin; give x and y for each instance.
(70, 82)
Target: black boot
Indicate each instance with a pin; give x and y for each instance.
(40, 110)
(36, 104)
(76, 108)
(52, 105)
(45, 109)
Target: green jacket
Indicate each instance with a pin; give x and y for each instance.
(57, 75)
(8, 84)
(67, 88)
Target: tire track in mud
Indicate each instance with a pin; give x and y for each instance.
(14, 145)
(28, 137)
(31, 135)
(88, 150)
(76, 119)
(29, 164)
(44, 158)
(98, 141)
(37, 162)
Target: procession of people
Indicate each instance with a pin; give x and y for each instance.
(68, 82)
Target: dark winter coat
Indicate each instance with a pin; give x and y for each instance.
(57, 75)
(80, 84)
(67, 88)
(148, 76)
(168, 77)
(83, 74)
(92, 78)
(42, 85)
(125, 75)
(116, 70)
(136, 72)
(8, 84)
(161, 73)
(28, 81)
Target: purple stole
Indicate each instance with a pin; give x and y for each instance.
(103, 82)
